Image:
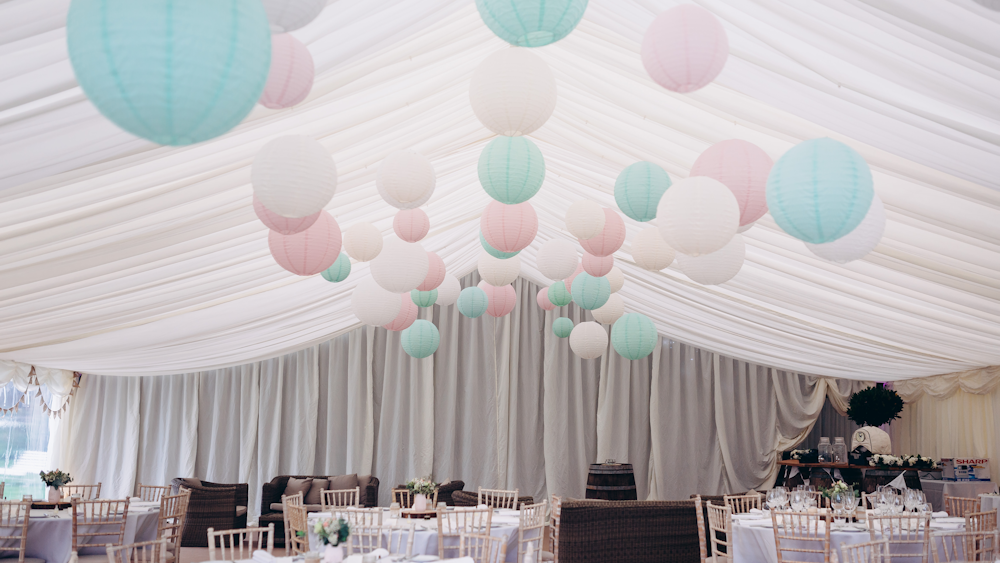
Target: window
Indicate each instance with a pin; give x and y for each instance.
(24, 444)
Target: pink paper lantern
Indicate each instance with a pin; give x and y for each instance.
(411, 225)
(292, 72)
(569, 281)
(543, 300)
(309, 252)
(597, 266)
(280, 224)
(435, 272)
(610, 239)
(743, 168)
(685, 48)
(407, 314)
(509, 228)
(501, 300)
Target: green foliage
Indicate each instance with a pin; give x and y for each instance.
(55, 478)
(874, 406)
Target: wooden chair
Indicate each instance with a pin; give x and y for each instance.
(483, 548)
(804, 536)
(867, 501)
(170, 522)
(242, 542)
(152, 493)
(366, 529)
(498, 498)
(2, 485)
(340, 498)
(14, 516)
(699, 516)
(981, 521)
(554, 516)
(960, 506)
(965, 546)
(869, 552)
(403, 497)
(908, 532)
(454, 523)
(286, 501)
(154, 551)
(720, 521)
(297, 528)
(89, 517)
(741, 504)
(86, 492)
(400, 538)
(530, 529)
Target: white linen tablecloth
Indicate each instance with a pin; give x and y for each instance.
(935, 490)
(989, 502)
(51, 537)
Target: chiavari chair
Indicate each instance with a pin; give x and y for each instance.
(241, 542)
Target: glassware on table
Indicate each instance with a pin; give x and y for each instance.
(394, 510)
(442, 506)
(911, 498)
(26, 498)
(838, 499)
(773, 499)
(839, 450)
(851, 502)
(897, 504)
(799, 500)
(825, 450)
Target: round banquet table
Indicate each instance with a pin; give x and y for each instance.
(425, 541)
(936, 489)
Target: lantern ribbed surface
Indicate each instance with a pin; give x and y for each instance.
(293, 176)
(401, 266)
(282, 225)
(424, 298)
(511, 169)
(435, 272)
(407, 314)
(611, 311)
(698, 215)
(531, 23)
(597, 266)
(363, 241)
(542, 298)
(685, 48)
(634, 336)
(501, 299)
(558, 294)
(289, 15)
(499, 272)
(743, 168)
(447, 292)
(562, 327)
(373, 305)
(857, 243)
(717, 267)
(405, 179)
(569, 281)
(611, 237)
(585, 219)
(290, 78)
(513, 92)
(472, 302)
(650, 252)
(588, 340)
(616, 278)
(411, 225)
(421, 339)
(309, 252)
(509, 228)
(557, 259)
(340, 269)
(590, 292)
(494, 252)
(638, 190)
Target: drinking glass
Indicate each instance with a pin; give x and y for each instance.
(897, 504)
(911, 499)
(773, 499)
(798, 500)
(838, 499)
(851, 502)
(394, 510)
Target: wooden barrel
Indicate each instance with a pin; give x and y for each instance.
(611, 481)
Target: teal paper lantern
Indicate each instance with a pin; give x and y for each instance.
(511, 169)
(472, 302)
(634, 336)
(424, 298)
(531, 23)
(559, 295)
(339, 271)
(176, 72)
(562, 327)
(639, 188)
(421, 339)
(590, 292)
(494, 252)
(820, 190)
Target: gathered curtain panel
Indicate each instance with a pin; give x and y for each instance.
(504, 403)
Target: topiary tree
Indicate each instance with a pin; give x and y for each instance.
(874, 406)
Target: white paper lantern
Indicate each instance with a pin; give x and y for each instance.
(401, 266)
(448, 291)
(373, 305)
(717, 267)
(585, 219)
(698, 215)
(362, 241)
(588, 340)
(616, 278)
(557, 259)
(610, 311)
(745, 228)
(857, 243)
(288, 15)
(497, 271)
(650, 252)
(293, 176)
(513, 92)
(405, 179)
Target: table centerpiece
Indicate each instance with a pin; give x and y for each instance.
(421, 488)
(332, 533)
(54, 480)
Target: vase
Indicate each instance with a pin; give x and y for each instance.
(420, 503)
(333, 554)
(54, 494)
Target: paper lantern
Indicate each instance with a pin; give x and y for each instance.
(472, 302)
(639, 188)
(373, 305)
(611, 237)
(650, 252)
(542, 298)
(588, 340)
(530, 23)
(290, 78)
(309, 252)
(401, 266)
(611, 311)
(421, 339)
(435, 272)
(634, 336)
(717, 267)
(509, 228)
(819, 190)
(511, 169)
(407, 314)
(501, 299)
(745, 228)
(282, 225)
(743, 168)
(857, 243)
(616, 278)
(557, 259)
(512, 92)
(569, 281)
(685, 48)
(562, 327)
(339, 271)
(411, 225)
(289, 15)
(447, 292)
(424, 298)
(590, 292)
(558, 295)
(174, 72)
(293, 176)
(498, 272)
(363, 241)
(698, 216)
(405, 178)
(597, 266)
(494, 252)
(585, 219)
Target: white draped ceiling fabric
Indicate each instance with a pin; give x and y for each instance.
(118, 256)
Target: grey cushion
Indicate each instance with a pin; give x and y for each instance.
(313, 496)
(90, 558)
(276, 506)
(296, 486)
(341, 482)
(241, 510)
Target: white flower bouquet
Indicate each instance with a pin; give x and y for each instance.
(421, 486)
(332, 532)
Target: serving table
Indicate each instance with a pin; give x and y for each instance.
(865, 477)
(50, 532)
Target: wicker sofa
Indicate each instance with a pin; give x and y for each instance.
(213, 505)
(270, 499)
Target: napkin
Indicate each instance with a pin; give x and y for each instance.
(941, 514)
(899, 482)
(262, 556)
(457, 560)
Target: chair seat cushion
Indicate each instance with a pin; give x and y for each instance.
(89, 558)
(241, 510)
(309, 507)
(273, 516)
(546, 556)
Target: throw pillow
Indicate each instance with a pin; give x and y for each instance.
(341, 482)
(296, 486)
(313, 497)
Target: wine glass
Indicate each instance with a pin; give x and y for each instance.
(911, 499)
(838, 499)
(774, 499)
(851, 502)
(798, 500)
(897, 504)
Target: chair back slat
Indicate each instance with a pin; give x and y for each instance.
(720, 520)
(89, 516)
(907, 535)
(483, 548)
(14, 516)
(868, 552)
(297, 528)
(532, 518)
(741, 504)
(340, 498)
(173, 514)
(366, 529)
(86, 492)
(286, 501)
(403, 497)
(965, 546)
(806, 536)
(554, 517)
(981, 521)
(498, 498)
(154, 551)
(400, 538)
(152, 493)
(235, 545)
(462, 520)
(960, 506)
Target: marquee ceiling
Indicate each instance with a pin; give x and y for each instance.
(118, 256)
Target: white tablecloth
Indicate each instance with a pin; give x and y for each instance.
(989, 502)
(935, 490)
(51, 537)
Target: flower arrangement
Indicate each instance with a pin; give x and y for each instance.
(915, 461)
(874, 406)
(332, 532)
(55, 478)
(805, 456)
(838, 487)
(421, 486)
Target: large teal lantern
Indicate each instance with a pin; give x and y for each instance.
(634, 336)
(423, 298)
(175, 72)
(339, 271)
(531, 23)
(820, 190)
(639, 188)
(590, 292)
(494, 252)
(511, 169)
(472, 302)
(559, 295)
(562, 327)
(421, 339)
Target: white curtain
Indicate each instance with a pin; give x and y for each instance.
(168, 427)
